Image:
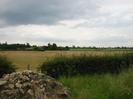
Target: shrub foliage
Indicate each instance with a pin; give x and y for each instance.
(80, 65)
(6, 66)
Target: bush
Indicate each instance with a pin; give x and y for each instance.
(80, 65)
(6, 66)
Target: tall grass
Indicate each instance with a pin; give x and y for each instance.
(83, 64)
(107, 86)
(6, 66)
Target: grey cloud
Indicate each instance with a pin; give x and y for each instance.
(113, 41)
(117, 14)
(107, 21)
(16, 12)
(46, 39)
(50, 12)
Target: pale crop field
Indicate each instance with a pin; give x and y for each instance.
(34, 58)
(24, 58)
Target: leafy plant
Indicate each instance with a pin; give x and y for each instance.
(6, 66)
(81, 65)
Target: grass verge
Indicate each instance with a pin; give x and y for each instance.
(107, 86)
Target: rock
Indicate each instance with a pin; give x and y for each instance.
(11, 86)
(2, 82)
(31, 85)
(18, 85)
(30, 92)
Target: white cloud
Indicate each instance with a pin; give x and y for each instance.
(62, 35)
(67, 22)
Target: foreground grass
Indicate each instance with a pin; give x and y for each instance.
(82, 87)
(101, 86)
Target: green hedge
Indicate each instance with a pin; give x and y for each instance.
(79, 65)
(6, 66)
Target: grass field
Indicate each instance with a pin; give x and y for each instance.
(34, 58)
(23, 58)
(105, 86)
(101, 86)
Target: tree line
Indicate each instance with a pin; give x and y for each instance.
(28, 47)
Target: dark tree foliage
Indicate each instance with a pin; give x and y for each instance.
(17, 46)
(82, 65)
(6, 66)
(28, 47)
(54, 47)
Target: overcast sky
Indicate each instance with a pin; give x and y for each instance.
(67, 22)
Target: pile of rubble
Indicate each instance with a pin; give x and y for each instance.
(31, 85)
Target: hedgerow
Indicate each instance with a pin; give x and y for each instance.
(80, 65)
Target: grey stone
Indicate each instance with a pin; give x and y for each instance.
(31, 85)
(2, 82)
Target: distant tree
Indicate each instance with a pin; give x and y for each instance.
(49, 45)
(66, 48)
(5, 43)
(73, 46)
(35, 48)
(28, 45)
(54, 46)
